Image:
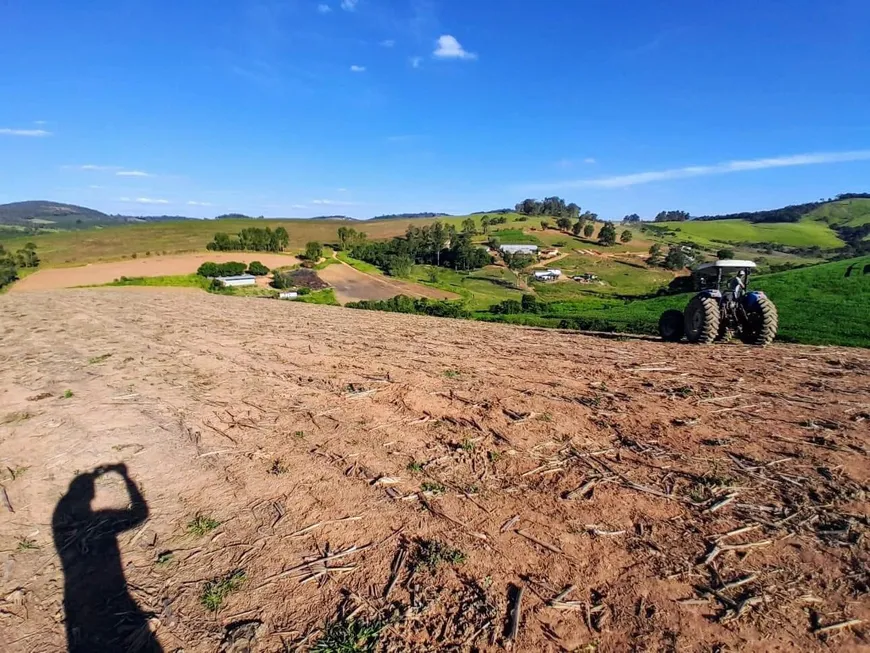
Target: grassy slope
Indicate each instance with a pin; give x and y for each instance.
(817, 305)
(714, 233)
(851, 213)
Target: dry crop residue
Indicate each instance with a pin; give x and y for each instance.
(305, 463)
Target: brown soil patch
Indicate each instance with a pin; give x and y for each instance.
(351, 285)
(695, 498)
(152, 266)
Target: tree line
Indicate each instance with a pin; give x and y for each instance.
(254, 239)
(25, 257)
(231, 269)
(405, 304)
(435, 244)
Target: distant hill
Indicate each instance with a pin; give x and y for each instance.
(411, 216)
(44, 213)
(59, 215)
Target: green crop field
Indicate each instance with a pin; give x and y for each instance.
(817, 305)
(713, 233)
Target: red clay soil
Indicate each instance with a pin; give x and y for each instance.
(644, 496)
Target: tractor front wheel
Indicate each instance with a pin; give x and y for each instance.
(671, 327)
(762, 323)
(702, 320)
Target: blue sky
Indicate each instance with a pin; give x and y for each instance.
(361, 107)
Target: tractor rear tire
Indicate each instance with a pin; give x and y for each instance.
(702, 319)
(672, 326)
(763, 323)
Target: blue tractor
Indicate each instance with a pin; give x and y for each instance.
(724, 307)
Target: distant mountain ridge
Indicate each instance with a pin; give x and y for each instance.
(45, 213)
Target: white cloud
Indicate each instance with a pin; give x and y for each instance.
(332, 203)
(349, 5)
(416, 61)
(387, 43)
(132, 173)
(342, 190)
(449, 48)
(195, 203)
(89, 166)
(144, 200)
(589, 159)
(624, 181)
(40, 122)
(357, 69)
(6, 131)
(324, 9)
(96, 187)
(298, 206)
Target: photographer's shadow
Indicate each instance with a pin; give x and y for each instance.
(100, 614)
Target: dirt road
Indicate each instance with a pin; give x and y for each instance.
(152, 266)
(692, 498)
(351, 285)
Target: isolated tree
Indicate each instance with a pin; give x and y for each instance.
(655, 254)
(588, 230)
(313, 251)
(545, 224)
(468, 227)
(607, 235)
(725, 254)
(676, 259)
(257, 269)
(573, 210)
(563, 222)
(577, 228)
(631, 218)
(493, 243)
(484, 224)
(625, 236)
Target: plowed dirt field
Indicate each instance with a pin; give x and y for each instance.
(294, 474)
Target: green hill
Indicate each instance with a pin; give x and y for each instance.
(848, 213)
(42, 213)
(818, 304)
(713, 233)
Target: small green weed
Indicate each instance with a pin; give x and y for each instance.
(67, 394)
(26, 544)
(164, 558)
(467, 445)
(98, 359)
(351, 636)
(215, 591)
(545, 417)
(432, 486)
(299, 435)
(200, 525)
(432, 553)
(415, 466)
(684, 391)
(494, 456)
(451, 374)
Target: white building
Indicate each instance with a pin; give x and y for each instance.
(519, 249)
(547, 275)
(238, 280)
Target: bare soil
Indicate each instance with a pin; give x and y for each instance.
(151, 266)
(351, 285)
(692, 498)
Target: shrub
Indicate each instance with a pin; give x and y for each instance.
(313, 251)
(257, 269)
